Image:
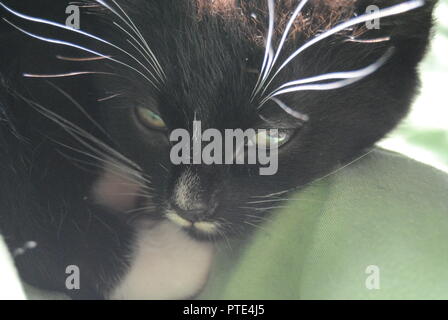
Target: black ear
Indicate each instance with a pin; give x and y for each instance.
(409, 32)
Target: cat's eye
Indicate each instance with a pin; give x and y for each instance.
(268, 139)
(151, 119)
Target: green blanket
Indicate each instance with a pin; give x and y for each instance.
(377, 229)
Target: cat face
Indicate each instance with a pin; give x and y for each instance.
(192, 61)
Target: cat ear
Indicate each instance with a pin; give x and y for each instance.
(414, 24)
(409, 31)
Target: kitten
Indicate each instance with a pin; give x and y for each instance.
(86, 116)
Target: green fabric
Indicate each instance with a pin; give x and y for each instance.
(385, 210)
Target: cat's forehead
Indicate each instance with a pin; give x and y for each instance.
(217, 6)
(318, 15)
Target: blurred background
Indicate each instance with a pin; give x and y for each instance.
(424, 134)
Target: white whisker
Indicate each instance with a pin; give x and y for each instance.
(69, 44)
(146, 58)
(341, 75)
(268, 50)
(110, 97)
(389, 11)
(132, 26)
(80, 108)
(80, 59)
(290, 111)
(86, 34)
(63, 75)
(377, 40)
(139, 34)
(349, 77)
(112, 166)
(145, 54)
(78, 133)
(285, 34)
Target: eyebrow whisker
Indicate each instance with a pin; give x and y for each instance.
(64, 27)
(283, 39)
(290, 111)
(348, 77)
(95, 58)
(63, 75)
(133, 27)
(268, 49)
(386, 12)
(69, 44)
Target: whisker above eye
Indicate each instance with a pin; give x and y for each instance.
(110, 97)
(95, 58)
(377, 40)
(268, 50)
(146, 58)
(386, 12)
(67, 28)
(133, 27)
(63, 75)
(349, 77)
(290, 111)
(69, 44)
(284, 37)
(152, 60)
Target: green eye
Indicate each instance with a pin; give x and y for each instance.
(269, 139)
(151, 119)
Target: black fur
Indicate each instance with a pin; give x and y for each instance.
(45, 193)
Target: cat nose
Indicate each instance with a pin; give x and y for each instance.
(196, 212)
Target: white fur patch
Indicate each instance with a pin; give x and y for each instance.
(167, 264)
(185, 190)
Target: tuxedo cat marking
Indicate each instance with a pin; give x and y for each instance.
(85, 118)
(167, 264)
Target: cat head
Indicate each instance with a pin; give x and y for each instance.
(332, 76)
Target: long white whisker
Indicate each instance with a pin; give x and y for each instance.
(389, 11)
(290, 111)
(72, 128)
(268, 50)
(69, 44)
(285, 35)
(86, 34)
(131, 25)
(63, 75)
(80, 108)
(79, 59)
(271, 195)
(377, 40)
(139, 34)
(112, 165)
(337, 75)
(110, 97)
(147, 56)
(349, 77)
(317, 87)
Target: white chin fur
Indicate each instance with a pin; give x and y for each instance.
(207, 228)
(166, 264)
